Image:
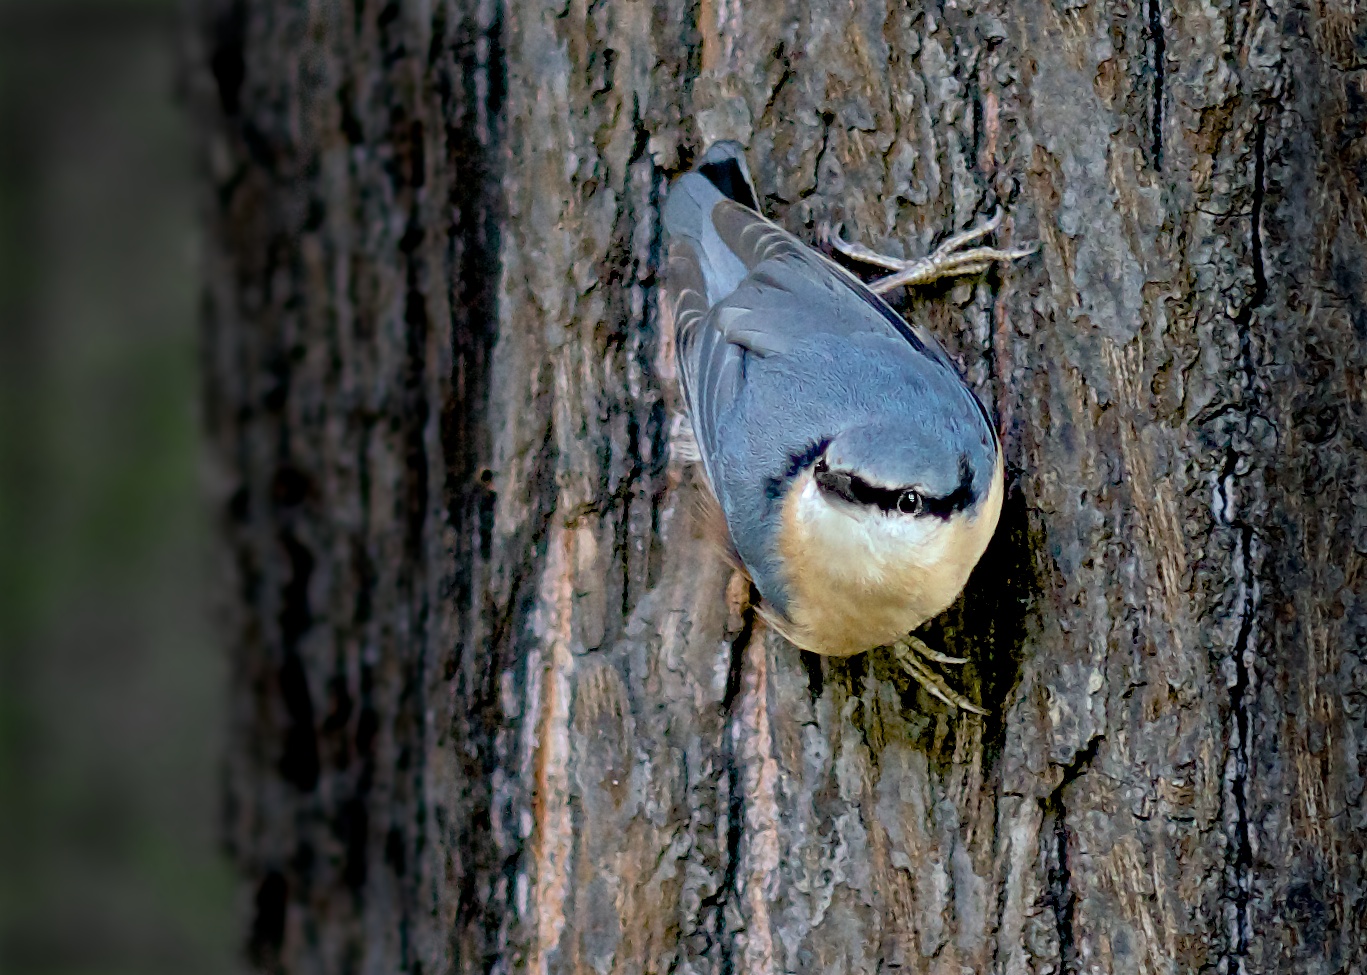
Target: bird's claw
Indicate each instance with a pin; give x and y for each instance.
(953, 258)
(912, 654)
(683, 444)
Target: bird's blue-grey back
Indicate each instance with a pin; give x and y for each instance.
(780, 351)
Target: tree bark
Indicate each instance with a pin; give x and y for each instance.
(498, 706)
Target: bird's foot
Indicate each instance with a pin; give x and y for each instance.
(683, 445)
(951, 259)
(912, 654)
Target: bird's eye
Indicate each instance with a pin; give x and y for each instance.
(909, 503)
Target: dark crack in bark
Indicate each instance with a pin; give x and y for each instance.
(1059, 896)
(728, 892)
(1158, 67)
(1239, 883)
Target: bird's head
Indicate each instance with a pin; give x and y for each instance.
(892, 521)
(911, 483)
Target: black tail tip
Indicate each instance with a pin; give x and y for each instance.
(723, 165)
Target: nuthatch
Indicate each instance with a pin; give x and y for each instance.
(859, 477)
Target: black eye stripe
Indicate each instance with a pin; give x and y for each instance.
(856, 490)
(884, 499)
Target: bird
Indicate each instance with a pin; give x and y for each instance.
(858, 476)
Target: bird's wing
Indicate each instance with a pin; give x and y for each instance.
(785, 270)
(710, 368)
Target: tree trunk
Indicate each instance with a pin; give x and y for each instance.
(498, 705)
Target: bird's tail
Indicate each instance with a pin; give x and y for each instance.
(720, 174)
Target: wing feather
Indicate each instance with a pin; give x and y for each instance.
(757, 241)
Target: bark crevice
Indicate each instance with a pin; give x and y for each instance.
(1242, 692)
(1158, 67)
(727, 897)
(1059, 895)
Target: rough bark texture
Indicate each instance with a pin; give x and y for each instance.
(498, 706)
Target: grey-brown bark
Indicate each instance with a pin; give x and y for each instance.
(498, 707)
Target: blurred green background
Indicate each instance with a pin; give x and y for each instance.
(111, 705)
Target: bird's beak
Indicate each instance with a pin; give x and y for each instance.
(833, 482)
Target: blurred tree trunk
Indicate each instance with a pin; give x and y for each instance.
(498, 707)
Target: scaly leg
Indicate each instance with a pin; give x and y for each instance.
(683, 445)
(948, 260)
(910, 652)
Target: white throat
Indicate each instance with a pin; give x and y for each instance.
(868, 540)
